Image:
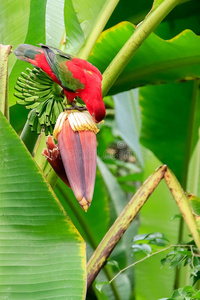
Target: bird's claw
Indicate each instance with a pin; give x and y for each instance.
(74, 106)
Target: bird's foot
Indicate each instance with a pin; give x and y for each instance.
(74, 106)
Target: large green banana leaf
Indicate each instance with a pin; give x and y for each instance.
(128, 120)
(156, 61)
(14, 23)
(33, 33)
(84, 21)
(42, 256)
(55, 25)
(170, 124)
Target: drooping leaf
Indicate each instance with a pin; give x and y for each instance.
(167, 117)
(128, 120)
(35, 34)
(12, 32)
(42, 255)
(74, 33)
(156, 61)
(118, 200)
(55, 25)
(114, 189)
(104, 139)
(81, 18)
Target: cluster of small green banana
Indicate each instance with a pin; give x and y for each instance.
(38, 92)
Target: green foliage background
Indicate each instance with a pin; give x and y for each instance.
(152, 119)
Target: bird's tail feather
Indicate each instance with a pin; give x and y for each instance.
(27, 52)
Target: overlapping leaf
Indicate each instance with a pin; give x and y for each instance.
(170, 106)
(156, 61)
(80, 20)
(14, 21)
(35, 34)
(128, 120)
(42, 256)
(55, 27)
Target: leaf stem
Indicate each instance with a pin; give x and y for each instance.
(138, 37)
(121, 224)
(142, 259)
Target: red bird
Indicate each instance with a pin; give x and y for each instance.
(76, 76)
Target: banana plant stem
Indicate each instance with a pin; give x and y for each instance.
(5, 50)
(112, 237)
(152, 20)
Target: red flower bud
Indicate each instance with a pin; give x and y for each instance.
(75, 154)
(52, 154)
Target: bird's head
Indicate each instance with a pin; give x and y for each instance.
(97, 110)
(99, 115)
